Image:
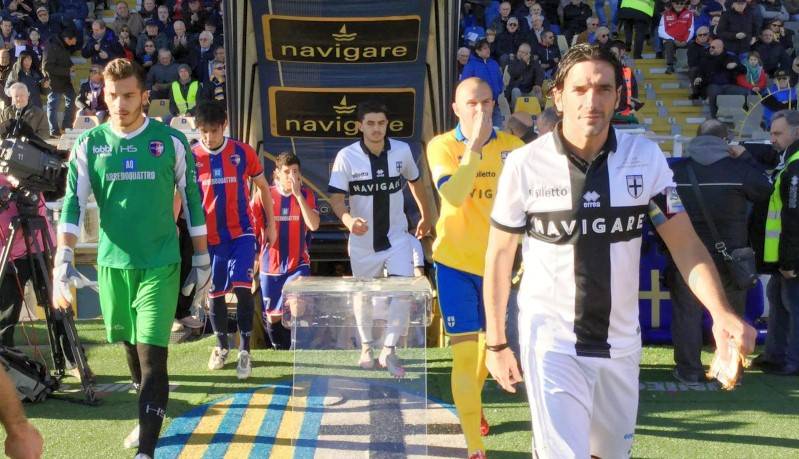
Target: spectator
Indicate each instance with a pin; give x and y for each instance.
(526, 77)
(491, 38)
(25, 72)
(676, 30)
(161, 75)
(91, 97)
(215, 88)
(509, 40)
(44, 25)
(599, 8)
(546, 121)
(148, 10)
(537, 30)
(792, 7)
(695, 7)
(625, 111)
(717, 75)
(729, 185)
(471, 35)
(462, 59)
(522, 126)
(551, 10)
(794, 73)
(151, 32)
(697, 51)
(21, 45)
(201, 54)
(754, 78)
(589, 34)
(164, 23)
(547, 54)
(149, 56)
(782, 35)
(575, 18)
(482, 66)
(781, 96)
(124, 17)
(773, 9)
(527, 21)
(21, 108)
(602, 36)
(523, 9)
(738, 28)
(128, 43)
(771, 52)
(36, 45)
(75, 11)
(57, 66)
(102, 45)
(181, 44)
(5, 70)
(7, 33)
(20, 10)
(636, 16)
(194, 16)
(183, 97)
(714, 25)
(500, 23)
(207, 69)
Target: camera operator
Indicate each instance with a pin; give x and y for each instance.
(22, 118)
(23, 441)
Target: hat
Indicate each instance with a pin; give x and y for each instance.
(184, 66)
(42, 8)
(781, 74)
(20, 36)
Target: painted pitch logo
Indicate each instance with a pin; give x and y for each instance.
(156, 148)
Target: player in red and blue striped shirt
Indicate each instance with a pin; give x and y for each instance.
(295, 215)
(225, 168)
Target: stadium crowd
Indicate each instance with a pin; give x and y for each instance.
(43, 43)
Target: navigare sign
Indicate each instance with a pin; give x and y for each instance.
(331, 112)
(331, 40)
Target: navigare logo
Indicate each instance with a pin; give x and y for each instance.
(362, 40)
(330, 112)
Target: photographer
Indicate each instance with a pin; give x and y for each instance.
(33, 118)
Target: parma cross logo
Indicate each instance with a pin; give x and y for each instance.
(398, 164)
(635, 185)
(156, 148)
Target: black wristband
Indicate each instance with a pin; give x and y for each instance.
(497, 347)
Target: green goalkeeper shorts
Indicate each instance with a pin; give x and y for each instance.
(138, 305)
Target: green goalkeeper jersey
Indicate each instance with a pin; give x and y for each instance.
(134, 178)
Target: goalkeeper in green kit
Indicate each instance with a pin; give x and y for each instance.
(134, 166)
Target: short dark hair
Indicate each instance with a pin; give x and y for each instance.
(584, 52)
(370, 106)
(121, 68)
(286, 158)
(210, 113)
(68, 32)
(480, 43)
(713, 127)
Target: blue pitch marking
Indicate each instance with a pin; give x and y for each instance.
(309, 431)
(180, 430)
(229, 425)
(267, 433)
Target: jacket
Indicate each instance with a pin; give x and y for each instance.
(728, 187)
(487, 70)
(32, 115)
(773, 56)
(108, 44)
(760, 84)
(773, 10)
(508, 43)
(731, 23)
(696, 53)
(57, 65)
(134, 22)
(713, 69)
(86, 96)
(787, 191)
(676, 26)
(574, 17)
(524, 76)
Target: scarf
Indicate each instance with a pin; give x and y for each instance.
(753, 73)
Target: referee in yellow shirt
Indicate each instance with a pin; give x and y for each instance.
(466, 163)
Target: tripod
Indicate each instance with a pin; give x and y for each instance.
(32, 225)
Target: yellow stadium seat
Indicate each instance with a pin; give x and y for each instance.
(158, 107)
(183, 123)
(528, 104)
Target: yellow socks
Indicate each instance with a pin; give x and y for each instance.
(468, 375)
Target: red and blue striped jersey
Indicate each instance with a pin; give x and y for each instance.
(222, 175)
(290, 250)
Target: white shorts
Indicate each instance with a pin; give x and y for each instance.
(581, 406)
(397, 261)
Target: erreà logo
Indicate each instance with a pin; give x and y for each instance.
(352, 40)
(330, 112)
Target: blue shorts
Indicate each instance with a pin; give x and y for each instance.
(272, 289)
(460, 297)
(231, 265)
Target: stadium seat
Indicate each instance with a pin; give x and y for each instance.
(85, 122)
(563, 45)
(730, 108)
(751, 125)
(183, 123)
(528, 104)
(158, 107)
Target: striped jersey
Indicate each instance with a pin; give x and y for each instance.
(134, 177)
(290, 250)
(223, 178)
(583, 224)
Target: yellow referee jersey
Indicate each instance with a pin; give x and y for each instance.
(462, 232)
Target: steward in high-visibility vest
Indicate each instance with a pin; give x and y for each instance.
(781, 243)
(185, 103)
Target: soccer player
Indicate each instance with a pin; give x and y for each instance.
(580, 195)
(134, 165)
(465, 164)
(371, 172)
(224, 170)
(295, 215)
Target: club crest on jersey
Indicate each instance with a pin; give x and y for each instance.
(235, 159)
(635, 185)
(398, 164)
(156, 148)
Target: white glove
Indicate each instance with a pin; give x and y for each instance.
(199, 278)
(65, 276)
